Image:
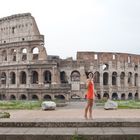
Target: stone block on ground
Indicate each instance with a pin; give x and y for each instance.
(48, 105)
(110, 105)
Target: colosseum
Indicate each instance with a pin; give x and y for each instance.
(27, 72)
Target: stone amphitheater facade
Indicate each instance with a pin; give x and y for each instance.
(28, 73)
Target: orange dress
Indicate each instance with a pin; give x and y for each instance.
(90, 91)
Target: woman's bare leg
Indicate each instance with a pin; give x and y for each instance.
(90, 109)
(86, 109)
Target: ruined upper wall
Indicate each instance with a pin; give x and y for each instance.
(108, 56)
(19, 27)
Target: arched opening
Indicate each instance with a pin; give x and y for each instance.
(2, 97)
(114, 96)
(130, 96)
(13, 78)
(98, 96)
(23, 97)
(63, 77)
(105, 66)
(24, 54)
(47, 77)
(122, 78)
(136, 96)
(3, 78)
(123, 96)
(75, 76)
(12, 97)
(23, 77)
(13, 54)
(114, 78)
(35, 97)
(35, 52)
(96, 77)
(47, 97)
(136, 79)
(105, 78)
(129, 78)
(60, 97)
(34, 77)
(106, 95)
(4, 55)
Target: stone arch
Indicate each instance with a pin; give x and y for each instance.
(63, 77)
(35, 97)
(13, 54)
(34, 77)
(23, 77)
(23, 97)
(47, 77)
(130, 96)
(12, 97)
(105, 78)
(123, 96)
(96, 77)
(136, 79)
(105, 66)
(122, 78)
(106, 95)
(47, 97)
(12, 78)
(23, 54)
(114, 96)
(35, 53)
(4, 55)
(75, 76)
(3, 78)
(114, 78)
(130, 78)
(60, 97)
(136, 96)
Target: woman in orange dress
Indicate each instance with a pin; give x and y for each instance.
(90, 95)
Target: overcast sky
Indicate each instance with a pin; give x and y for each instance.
(83, 25)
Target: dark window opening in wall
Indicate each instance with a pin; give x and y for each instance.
(136, 96)
(4, 55)
(105, 66)
(95, 56)
(106, 95)
(105, 78)
(35, 52)
(129, 59)
(23, 77)
(34, 77)
(123, 96)
(136, 79)
(47, 97)
(114, 78)
(3, 78)
(114, 96)
(75, 76)
(136, 67)
(12, 97)
(130, 96)
(13, 78)
(96, 77)
(63, 77)
(130, 78)
(47, 77)
(113, 56)
(122, 78)
(23, 39)
(14, 58)
(60, 97)
(4, 41)
(2, 97)
(35, 97)
(23, 97)
(13, 30)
